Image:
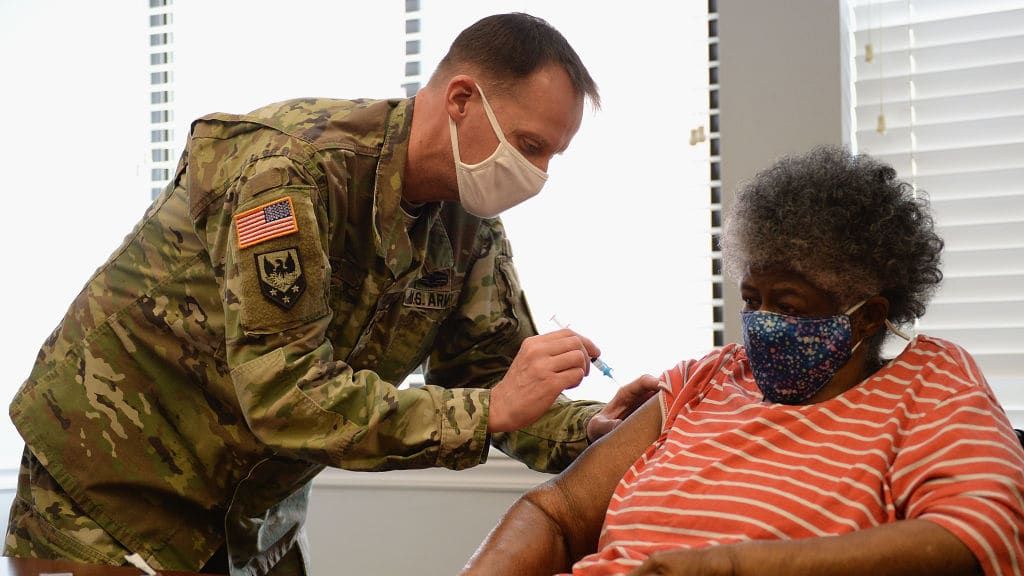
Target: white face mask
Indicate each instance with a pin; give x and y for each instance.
(498, 183)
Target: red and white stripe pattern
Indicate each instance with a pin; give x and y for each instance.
(923, 438)
(271, 220)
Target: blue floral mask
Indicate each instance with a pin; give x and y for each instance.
(794, 357)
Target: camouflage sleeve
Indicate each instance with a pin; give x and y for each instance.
(267, 235)
(477, 343)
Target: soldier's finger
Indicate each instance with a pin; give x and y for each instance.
(569, 360)
(592, 350)
(556, 335)
(569, 378)
(544, 341)
(551, 344)
(567, 340)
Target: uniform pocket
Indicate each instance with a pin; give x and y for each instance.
(412, 339)
(45, 523)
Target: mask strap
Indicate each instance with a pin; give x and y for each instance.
(855, 307)
(455, 140)
(501, 138)
(892, 328)
(490, 116)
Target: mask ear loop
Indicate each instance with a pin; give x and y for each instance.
(892, 328)
(490, 116)
(854, 308)
(455, 140)
(502, 141)
(849, 311)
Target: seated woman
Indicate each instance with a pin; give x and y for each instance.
(802, 451)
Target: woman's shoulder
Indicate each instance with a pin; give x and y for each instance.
(925, 350)
(690, 378)
(936, 361)
(724, 357)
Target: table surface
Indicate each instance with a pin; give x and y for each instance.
(36, 567)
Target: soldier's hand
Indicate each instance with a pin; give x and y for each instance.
(544, 366)
(627, 399)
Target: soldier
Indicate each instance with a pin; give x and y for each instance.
(251, 329)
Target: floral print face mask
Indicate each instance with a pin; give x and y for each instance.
(794, 357)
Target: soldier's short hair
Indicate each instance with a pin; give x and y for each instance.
(509, 47)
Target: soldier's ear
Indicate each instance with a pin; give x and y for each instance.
(457, 93)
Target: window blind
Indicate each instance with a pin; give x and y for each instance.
(947, 76)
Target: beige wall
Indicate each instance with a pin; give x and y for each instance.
(782, 89)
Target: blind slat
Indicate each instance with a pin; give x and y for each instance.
(983, 313)
(951, 30)
(884, 14)
(972, 211)
(953, 160)
(992, 288)
(943, 136)
(971, 80)
(960, 263)
(957, 108)
(986, 52)
(981, 339)
(993, 236)
(972, 184)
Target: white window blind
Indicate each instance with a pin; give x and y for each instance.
(948, 78)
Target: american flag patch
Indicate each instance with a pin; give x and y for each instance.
(271, 220)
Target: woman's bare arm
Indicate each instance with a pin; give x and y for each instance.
(904, 548)
(558, 522)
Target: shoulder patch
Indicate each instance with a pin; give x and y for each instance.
(280, 276)
(271, 220)
(280, 282)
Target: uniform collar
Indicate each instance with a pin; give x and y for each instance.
(390, 233)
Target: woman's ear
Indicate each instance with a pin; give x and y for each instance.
(870, 317)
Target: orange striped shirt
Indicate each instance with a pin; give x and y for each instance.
(924, 437)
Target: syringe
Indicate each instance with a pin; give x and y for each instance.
(596, 361)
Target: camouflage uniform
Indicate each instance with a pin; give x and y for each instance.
(248, 332)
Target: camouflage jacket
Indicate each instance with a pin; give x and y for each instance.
(251, 330)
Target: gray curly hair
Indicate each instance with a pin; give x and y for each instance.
(846, 223)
